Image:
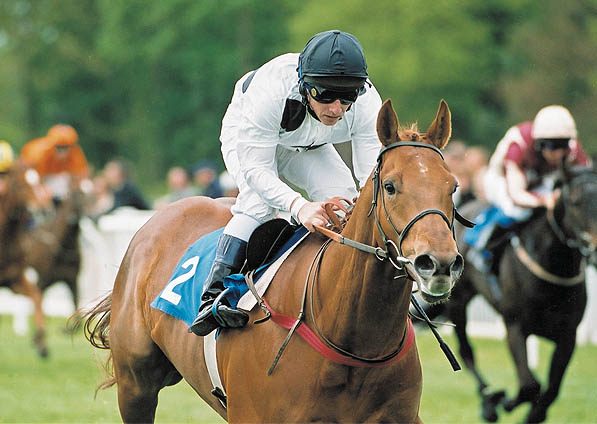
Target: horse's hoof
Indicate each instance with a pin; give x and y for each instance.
(536, 415)
(489, 405)
(510, 404)
(489, 414)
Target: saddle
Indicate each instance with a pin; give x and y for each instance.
(266, 241)
(269, 237)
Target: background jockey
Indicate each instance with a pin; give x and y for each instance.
(282, 121)
(58, 159)
(6, 164)
(515, 181)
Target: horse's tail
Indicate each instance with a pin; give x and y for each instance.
(96, 327)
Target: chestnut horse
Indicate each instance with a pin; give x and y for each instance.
(354, 298)
(15, 193)
(52, 247)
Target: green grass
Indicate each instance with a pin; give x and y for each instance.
(61, 388)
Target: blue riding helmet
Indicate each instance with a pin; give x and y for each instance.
(332, 66)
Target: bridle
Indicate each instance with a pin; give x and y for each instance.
(576, 241)
(400, 262)
(400, 259)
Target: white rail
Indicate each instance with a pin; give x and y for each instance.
(104, 244)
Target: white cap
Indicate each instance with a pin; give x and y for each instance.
(554, 121)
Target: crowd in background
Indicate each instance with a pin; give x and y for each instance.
(57, 158)
(114, 187)
(55, 164)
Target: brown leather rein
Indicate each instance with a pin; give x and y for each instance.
(399, 262)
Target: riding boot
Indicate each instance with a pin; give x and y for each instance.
(479, 255)
(230, 256)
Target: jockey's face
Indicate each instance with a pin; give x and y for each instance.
(554, 157)
(62, 149)
(328, 113)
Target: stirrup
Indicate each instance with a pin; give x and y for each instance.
(209, 318)
(239, 318)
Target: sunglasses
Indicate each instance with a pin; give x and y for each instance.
(554, 143)
(325, 96)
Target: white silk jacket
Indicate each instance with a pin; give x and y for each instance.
(252, 130)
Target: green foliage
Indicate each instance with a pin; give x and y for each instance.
(151, 80)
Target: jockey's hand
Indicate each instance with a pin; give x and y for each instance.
(313, 213)
(550, 200)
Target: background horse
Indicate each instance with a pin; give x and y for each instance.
(15, 194)
(353, 298)
(52, 248)
(542, 292)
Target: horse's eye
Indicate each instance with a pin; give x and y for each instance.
(455, 188)
(389, 187)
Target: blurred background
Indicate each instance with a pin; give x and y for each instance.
(145, 83)
(149, 81)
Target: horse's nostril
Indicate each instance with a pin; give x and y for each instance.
(425, 265)
(457, 266)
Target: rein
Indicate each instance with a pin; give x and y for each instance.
(401, 263)
(573, 242)
(540, 272)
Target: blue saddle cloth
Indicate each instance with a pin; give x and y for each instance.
(485, 220)
(181, 296)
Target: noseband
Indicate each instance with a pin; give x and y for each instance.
(400, 260)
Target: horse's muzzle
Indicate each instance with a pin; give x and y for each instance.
(437, 278)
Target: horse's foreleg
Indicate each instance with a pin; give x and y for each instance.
(559, 362)
(29, 289)
(529, 387)
(489, 399)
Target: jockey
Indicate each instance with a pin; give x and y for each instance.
(57, 158)
(6, 157)
(515, 182)
(282, 121)
(6, 164)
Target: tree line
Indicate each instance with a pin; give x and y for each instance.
(150, 80)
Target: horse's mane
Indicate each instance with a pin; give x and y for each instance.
(410, 133)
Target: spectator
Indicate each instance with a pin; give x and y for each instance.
(179, 185)
(476, 159)
(125, 192)
(455, 159)
(205, 178)
(102, 198)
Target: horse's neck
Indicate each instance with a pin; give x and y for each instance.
(541, 241)
(357, 297)
(66, 219)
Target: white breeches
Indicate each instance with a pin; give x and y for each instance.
(320, 173)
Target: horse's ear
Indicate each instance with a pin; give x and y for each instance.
(440, 130)
(387, 124)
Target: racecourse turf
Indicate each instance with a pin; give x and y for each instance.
(61, 388)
